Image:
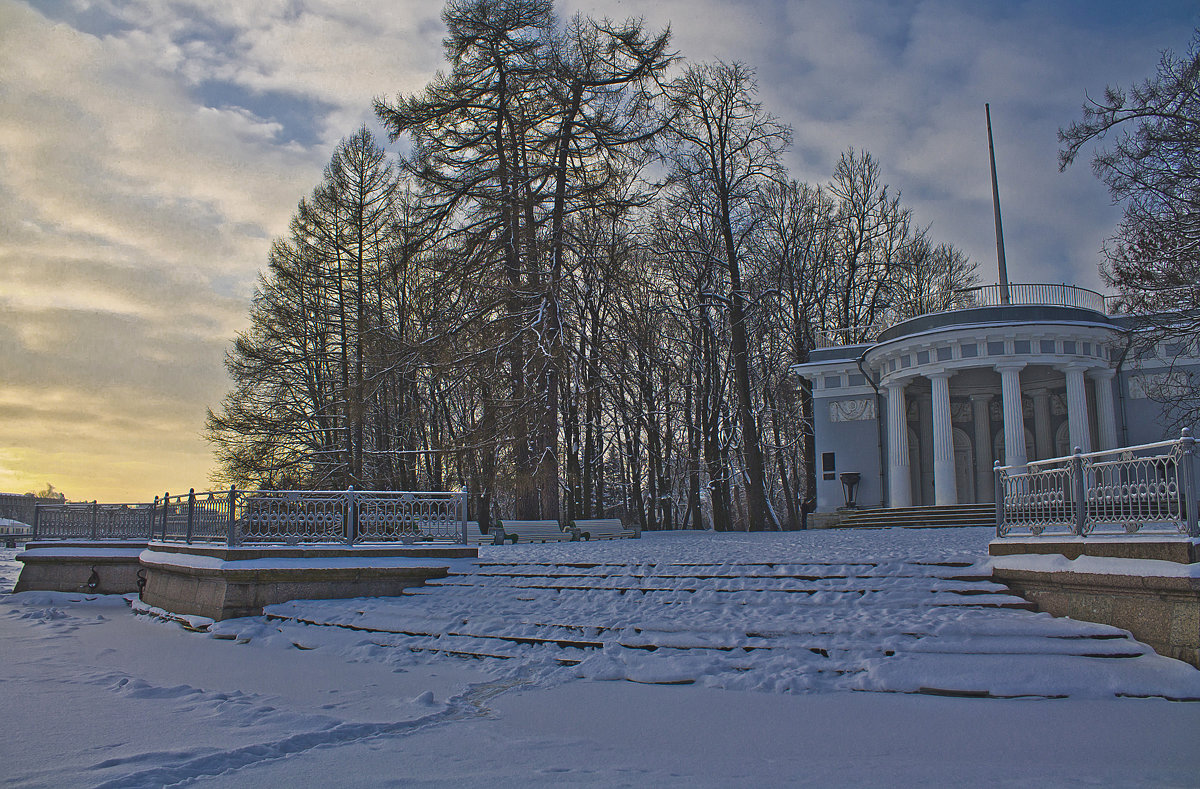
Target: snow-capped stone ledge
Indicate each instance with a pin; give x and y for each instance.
(1149, 587)
(223, 583)
(100, 567)
(1161, 547)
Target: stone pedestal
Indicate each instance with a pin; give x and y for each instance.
(222, 583)
(1148, 587)
(95, 567)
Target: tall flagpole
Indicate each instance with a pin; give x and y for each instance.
(1004, 295)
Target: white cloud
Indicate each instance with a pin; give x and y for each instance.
(150, 149)
(111, 148)
(139, 192)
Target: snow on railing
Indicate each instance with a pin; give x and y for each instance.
(1148, 488)
(285, 517)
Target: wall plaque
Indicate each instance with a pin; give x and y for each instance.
(852, 410)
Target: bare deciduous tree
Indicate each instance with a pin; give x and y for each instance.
(724, 147)
(1152, 168)
(516, 307)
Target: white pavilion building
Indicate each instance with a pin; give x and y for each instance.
(923, 411)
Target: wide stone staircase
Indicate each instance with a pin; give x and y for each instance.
(923, 517)
(903, 626)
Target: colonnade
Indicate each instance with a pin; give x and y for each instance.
(1015, 451)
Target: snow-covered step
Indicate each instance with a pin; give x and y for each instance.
(742, 570)
(907, 597)
(843, 625)
(778, 583)
(694, 631)
(580, 638)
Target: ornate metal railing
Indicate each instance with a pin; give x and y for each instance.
(21, 507)
(235, 516)
(1034, 293)
(410, 516)
(1150, 488)
(1020, 294)
(92, 521)
(848, 335)
(294, 516)
(195, 517)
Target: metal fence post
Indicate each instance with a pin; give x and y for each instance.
(166, 506)
(95, 520)
(351, 516)
(191, 514)
(231, 533)
(37, 516)
(999, 488)
(1080, 492)
(462, 519)
(1189, 482)
(150, 524)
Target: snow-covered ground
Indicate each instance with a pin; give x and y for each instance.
(95, 695)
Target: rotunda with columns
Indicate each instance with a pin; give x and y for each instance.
(923, 411)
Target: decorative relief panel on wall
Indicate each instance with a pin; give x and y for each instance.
(1058, 404)
(1138, 386)
(1160, 386)
(961, 412)
(852, 410)
(997, 409)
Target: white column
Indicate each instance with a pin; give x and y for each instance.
(925, 449)
(944, 482)
(899, 476)
(1077, 409)
(1043, 441)
(985, 479)
(1106, 412)
(1014, 419)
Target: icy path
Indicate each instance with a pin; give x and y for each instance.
(95, 696)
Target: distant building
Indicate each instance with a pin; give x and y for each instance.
(923, 411)
(18, 507)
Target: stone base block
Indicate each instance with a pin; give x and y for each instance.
(1181, 549)
(100, 568)
(223, 583)
(1158, 601)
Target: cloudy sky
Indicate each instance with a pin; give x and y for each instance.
(150, 150)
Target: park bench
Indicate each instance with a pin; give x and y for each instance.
(604, 529)
(475, 535)
(535, 531)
